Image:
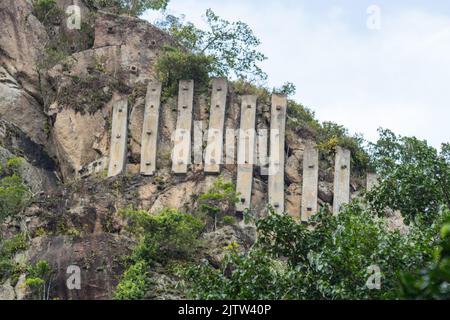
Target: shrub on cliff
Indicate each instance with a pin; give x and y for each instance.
(164, 237)
(336, 259)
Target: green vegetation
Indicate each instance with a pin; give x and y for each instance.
(134, 283)
(175, 64)
(40, 280)
(432, 282)
(224, 49)
(165, 237)
(46, 11)
(415, 178)
(330, 261)
(13, 192)
(8, 249)
(130, 7)
(218, 201)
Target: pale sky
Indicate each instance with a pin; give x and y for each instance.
(396, 76)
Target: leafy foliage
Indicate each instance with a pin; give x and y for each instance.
(130, 7)
(331, 135)
(134, 282)
(224, 49)
(219, 200)
(174, 64)
(329, 261)
(231, 45)
(13, 195)
(45, 10)
(40, 280)
(170, 235)
(415, 178)
(8, 248)
(432, 282)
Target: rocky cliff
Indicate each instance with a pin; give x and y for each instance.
(57, 117)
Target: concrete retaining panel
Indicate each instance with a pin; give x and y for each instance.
(119, 138)
(310, 181)
(214, 147)
(341, 179)
(246, 152)
(150, 129)
(181, 155)
(277, 155)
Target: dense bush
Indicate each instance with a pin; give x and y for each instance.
(130, 7)
(8, 249)
(13, 193)
(176, 64)
(329, 261)
(134, 282)
(164, 237)
(415, 178)
(432, 282)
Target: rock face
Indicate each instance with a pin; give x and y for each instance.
(22, 42)
(36, 167)
(58, 120)
(119, 64)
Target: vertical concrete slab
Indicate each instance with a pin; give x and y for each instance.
(198, 143)
(341, 179)
(181, 155)
(310, 181)
(149, 140)
(263, 158)
(371, 181)
(230, 141)
(119, 139)
(214, 147)
(246, 152)
(276, 161)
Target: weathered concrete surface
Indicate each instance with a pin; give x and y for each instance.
(230, 146)
(214, 147)
(310, 181)
(181, 156)
(150, 129)
(119, 138)
(277, 154)
(246, 152)
(341, 179)
(263, 157)
(371, 181)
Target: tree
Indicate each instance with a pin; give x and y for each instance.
(130, 7)
(414, 177)
(230, 45)
(40, 280)
(432, 282)
(219, 200)
(165, 237)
